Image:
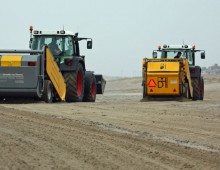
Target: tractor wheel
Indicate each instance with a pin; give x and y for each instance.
(48, 92)
(201, 96)
(196, 91)
(74, 85)
(90, 88)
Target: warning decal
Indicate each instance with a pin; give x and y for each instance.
(151, 83)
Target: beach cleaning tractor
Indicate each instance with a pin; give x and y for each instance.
(172, 72)
(52, 70)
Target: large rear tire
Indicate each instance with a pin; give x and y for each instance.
(196, 91)
(48, 92)
(74, 85)
(201, 95)
(90, 88)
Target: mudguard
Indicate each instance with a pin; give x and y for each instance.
(196, 71)
(73, 67)
(100, 84)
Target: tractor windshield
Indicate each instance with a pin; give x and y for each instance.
(173, 53)
(59, 45)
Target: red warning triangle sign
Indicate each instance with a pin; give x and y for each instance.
(151, 83)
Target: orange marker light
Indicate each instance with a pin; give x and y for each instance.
(31, 28)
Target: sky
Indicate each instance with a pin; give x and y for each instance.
(123, 31)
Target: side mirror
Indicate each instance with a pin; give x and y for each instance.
(154, 54)
(89, 44)
(30, 42)
(202, 55)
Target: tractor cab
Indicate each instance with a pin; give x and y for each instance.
(62, 44)
(171, 52)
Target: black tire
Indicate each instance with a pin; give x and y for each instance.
(90, 88)
(56, 97)
(1, 99)
(48, 92)
(74, 85)
(201, 95)
(186, 91)
(145, 96)
(144, 90)
(40, 88)
(196, 92)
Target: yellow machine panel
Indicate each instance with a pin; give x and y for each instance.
(11, 61)
(187, 72)
(163, 84)
(163, 66)
(55, 75)
(162, 78)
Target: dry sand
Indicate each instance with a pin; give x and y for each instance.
(116, 132)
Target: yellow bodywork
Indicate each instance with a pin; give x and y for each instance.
(55, 75)
(187, 75)
(165, 76)
(11, 61)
